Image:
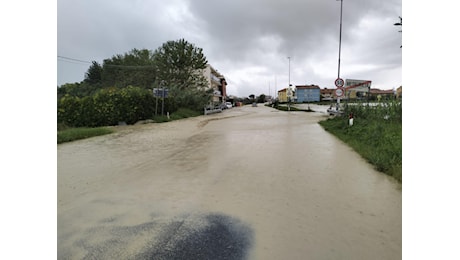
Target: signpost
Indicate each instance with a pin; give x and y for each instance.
(162, 93)
(339, 82)
(339, 91)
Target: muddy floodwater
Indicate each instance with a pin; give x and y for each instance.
(247, 183)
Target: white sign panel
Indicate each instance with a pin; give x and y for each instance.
(339, 92)
(358, 85)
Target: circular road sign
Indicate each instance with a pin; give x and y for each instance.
(339, 92)
(339, 82)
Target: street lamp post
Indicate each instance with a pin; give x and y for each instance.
(288, 92)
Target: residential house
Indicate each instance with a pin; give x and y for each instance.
(399, 92)
(378, 94)
(327, 94)
(282, 95)
(217, 82)
(357, 89)
(308, 93)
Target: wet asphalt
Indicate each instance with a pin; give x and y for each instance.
(248, 183)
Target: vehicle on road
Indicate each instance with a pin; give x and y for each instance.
(228, 104)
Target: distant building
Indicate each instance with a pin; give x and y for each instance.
(217, 82)
(282, 95)
(307, 93)
(357, 89)
(378, 94)
(399, 92)
(327, 94)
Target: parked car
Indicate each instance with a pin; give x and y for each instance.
(229, 104)
(222, 106)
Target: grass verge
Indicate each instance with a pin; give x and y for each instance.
(179, 114)
(378, 141)
(72, 134)
(66, 134)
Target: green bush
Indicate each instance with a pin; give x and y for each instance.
(107, 107)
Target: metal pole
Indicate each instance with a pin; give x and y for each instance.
(340, 36)
(340, 47)
(289, 58)
(156, 106)
(162, 100)
(162, 86)
(289, 86)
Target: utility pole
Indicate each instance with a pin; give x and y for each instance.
(340, 37)
(269, 92)
(340, 48)
(288, 92)
(276, 88)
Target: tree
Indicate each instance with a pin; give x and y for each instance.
(179, 66)
(177, 63)
(261, 98)
(94, 74)
(77, 89)
(133, 68)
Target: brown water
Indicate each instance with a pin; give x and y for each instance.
(251, 182)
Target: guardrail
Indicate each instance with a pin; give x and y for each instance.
(210, 110)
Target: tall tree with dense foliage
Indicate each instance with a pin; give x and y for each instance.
(179, 66)
(177, 63)
(134, 68)
(94, 74)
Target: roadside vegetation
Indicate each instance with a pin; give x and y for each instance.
(376, 134)
(66, 134)
(72, 134)
(121, 91)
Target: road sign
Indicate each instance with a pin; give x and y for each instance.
(160, 92)
(339, 82)
(358, 85)
(339, 92)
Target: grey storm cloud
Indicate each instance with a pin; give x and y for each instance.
(247, 41)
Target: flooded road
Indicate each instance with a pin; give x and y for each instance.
(247, 183)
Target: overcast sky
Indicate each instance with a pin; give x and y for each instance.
(248, 41)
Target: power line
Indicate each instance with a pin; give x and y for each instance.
(72, 59)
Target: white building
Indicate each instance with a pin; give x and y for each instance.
(217, 82)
